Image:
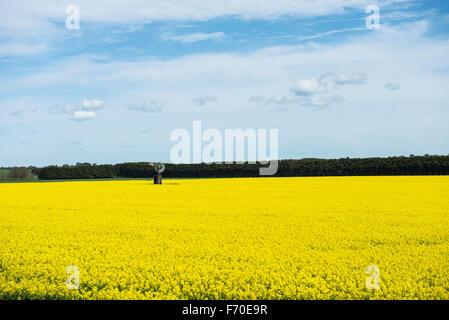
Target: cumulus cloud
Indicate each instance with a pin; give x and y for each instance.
(308, 86)
(93, 105)
(201, 101)
(146, 106)
(316, 91)
(327, 82)
(257, 71)
(194, 37)
(61, 110)
(17, 114)
(83, 115)
(392, 86)
(82, 112)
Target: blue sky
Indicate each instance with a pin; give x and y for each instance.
(115, 89)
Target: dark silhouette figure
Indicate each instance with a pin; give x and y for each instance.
(158, 179)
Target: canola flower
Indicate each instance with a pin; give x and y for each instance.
(261, 238)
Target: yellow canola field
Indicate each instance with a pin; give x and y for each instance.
(262, 238)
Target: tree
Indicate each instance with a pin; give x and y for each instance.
(19, 173)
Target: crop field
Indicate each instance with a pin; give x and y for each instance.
(261, 238)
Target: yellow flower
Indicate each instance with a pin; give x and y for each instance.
(262, 238)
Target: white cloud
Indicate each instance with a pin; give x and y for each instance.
(271, 71)
(21, 49)
(93, 105)
(351, 78)
(194, 37)
(308, 86)
(314, 91)
(392, 86)
(201, 101)
(138, 11)
(78, 113)
(146, 106)
(329, 33)
(30, 27)
(61, 110)
(84, 115)
(323, 101)
(274, 100)
(276, 64)
(316, 101)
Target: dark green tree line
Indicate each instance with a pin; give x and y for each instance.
(413, 165)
